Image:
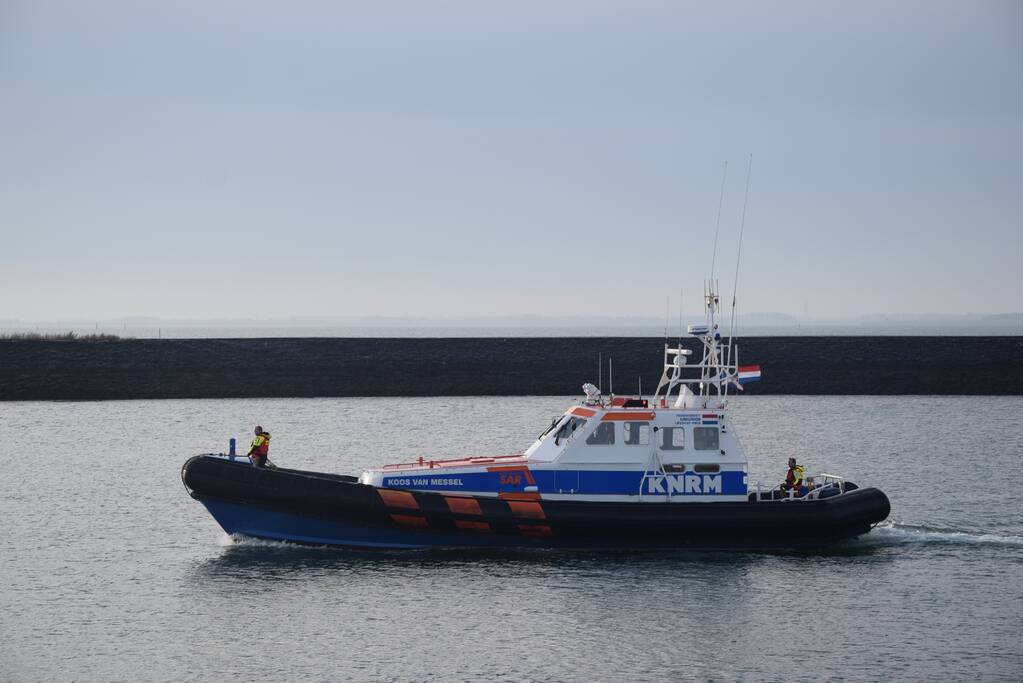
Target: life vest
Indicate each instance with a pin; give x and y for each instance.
(794, 477)
(261, 444)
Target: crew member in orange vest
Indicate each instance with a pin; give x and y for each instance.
(794, 478)
(260, 450)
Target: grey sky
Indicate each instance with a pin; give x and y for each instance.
(240, 159)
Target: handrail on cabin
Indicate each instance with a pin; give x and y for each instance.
(468, 460)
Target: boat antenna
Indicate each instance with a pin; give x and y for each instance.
(610, 377)
(681, 315)
(600, 369)
(717, 224)
(738, 253)
(733, 347)
(641, 386)
(667, 306)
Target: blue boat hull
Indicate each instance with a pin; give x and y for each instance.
(324, 509)
(272, 525)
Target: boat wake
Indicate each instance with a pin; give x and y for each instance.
(893, 533)
(242, 541)
(886, 534)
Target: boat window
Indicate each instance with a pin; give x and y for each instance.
(569, 428)
(637, 433)
(707, 468)
(554, 423)
(705, 438)
(603, 435)
(673, 438)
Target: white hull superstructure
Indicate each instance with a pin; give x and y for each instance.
(677, 446)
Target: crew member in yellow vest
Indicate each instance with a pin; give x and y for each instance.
(259, 452)
(794, 477)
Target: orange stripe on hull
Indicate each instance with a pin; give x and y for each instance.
(526, 509)
(520, 495)
(411, 521)
(537, 530)
(479, 527)
(463, 506)
(398, 499)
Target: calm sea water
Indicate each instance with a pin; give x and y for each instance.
(111, 572)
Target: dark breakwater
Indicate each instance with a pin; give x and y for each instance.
(279, 368)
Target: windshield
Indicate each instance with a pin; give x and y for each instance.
(553, 424)
(568, 428)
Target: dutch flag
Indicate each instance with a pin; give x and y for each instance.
(747, 374)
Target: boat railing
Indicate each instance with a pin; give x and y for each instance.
(815, 483)
(424, 463)
(832, 479)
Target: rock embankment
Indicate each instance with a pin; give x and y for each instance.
(283, 367)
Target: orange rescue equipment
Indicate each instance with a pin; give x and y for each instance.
(261, 444)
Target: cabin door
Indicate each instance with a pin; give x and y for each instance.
(566, 482)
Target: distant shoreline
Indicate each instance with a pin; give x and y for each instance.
(485, 331)
(493, 366)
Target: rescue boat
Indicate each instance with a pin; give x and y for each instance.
(665, 471)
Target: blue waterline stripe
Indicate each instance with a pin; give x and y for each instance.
(595, 482)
